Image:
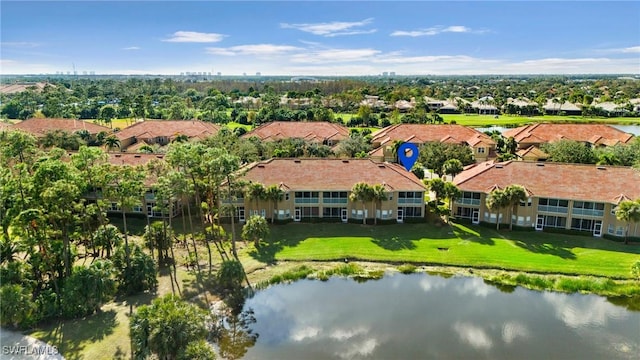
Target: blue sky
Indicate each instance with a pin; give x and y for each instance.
(320, 38)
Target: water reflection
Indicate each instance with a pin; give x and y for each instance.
(426, 316)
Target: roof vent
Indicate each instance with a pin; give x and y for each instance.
(118, 155)
(601, 168)
(499, 166)
(297, 161)
(137, 156)
(539, 164)
(261, 166)
(381, 166)
(345, 161)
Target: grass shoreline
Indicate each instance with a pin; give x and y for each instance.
(585, 284)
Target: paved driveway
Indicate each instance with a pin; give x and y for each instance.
(16, 346)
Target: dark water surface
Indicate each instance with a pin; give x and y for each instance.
(423, 316)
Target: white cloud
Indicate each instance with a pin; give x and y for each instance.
(131, 48)
(307, 332)
(346, 334)
(334, 56)
(194, 37)
(334, 28)
(633, 49)
(254, 49)
(587, 310)
(436, 30)
(19, 44)
(473, 335)
(512, 330)
(360, 349)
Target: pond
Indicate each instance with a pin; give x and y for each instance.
(422, 316)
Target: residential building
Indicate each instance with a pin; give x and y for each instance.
(485, 105)
(482, 145)
(320, 188)
(39, 127)
(592, 134)
(556, 108)
(561, 196)
(148, 203)
(162, 132)
(314, 131)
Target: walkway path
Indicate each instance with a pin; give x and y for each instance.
(16, 346)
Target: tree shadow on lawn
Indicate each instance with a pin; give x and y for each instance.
(546, 248)
(287, 235)
(71, 336)
(465, 233)
(394, 243)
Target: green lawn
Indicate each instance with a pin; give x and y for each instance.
(458, 245)
(510, 120)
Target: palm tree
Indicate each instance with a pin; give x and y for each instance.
(361, 192)
(452, 192)
(111, 141)
(378, 195)
(84, 135)
(452, 167)
(274, 194)
(256, 192)
(628, 211)
(514, 194)
(496, 200)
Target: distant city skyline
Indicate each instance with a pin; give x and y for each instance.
(320, 38)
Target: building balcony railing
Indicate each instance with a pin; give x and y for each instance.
(553, 209)
(234, 201)
(335, 201)
(588, 212)
(410, 201)
(306, 201)
(467, 201)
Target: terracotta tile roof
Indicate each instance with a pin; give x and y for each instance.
(330, 174)
(555, 180)
(420, 133)
(312, 130)
(132, 159)
(592, 133)
(150, 129)
(532, 151)
(39, 127)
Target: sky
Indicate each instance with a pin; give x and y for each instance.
(317, 38)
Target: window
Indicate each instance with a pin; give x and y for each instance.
(481, 150)
(463, 212)
(553, 205)
(620, 231)
(286, 196)
(469, 198)
(588, 208)
(309, 211)
(334, 197)
(528, 203)
(331, 212)
(611, 229)
(410, 197)
(306, 197)
(555, 221)
(581, 224)
(412, 211)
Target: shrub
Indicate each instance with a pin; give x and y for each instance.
(140, 276)
(16, 308)
(635, 270)
(87, 289)
(407, 268)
